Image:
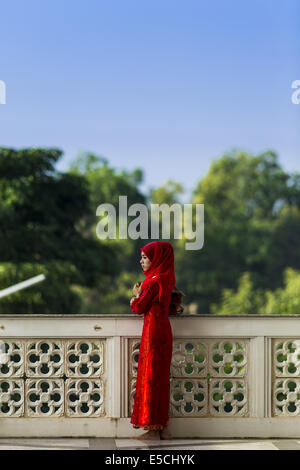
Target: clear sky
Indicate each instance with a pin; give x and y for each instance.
(165, 85)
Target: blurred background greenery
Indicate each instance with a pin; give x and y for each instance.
(249, 264)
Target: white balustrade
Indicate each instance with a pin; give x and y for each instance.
(75, 375)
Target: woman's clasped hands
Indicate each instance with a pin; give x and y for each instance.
(137, 290)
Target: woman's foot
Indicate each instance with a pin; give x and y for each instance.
(165, 433)
(154, 435)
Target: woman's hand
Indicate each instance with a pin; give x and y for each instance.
(137, 289)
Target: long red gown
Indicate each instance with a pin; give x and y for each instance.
(151, 402)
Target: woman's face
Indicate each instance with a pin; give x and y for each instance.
(145, 262)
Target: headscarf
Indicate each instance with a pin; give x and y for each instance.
(161, 269)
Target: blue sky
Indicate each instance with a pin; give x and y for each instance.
(163, 85)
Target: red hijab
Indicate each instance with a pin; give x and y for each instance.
(161, 255)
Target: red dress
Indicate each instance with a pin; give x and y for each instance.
(151, 402)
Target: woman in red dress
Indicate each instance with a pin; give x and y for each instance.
(152, 298)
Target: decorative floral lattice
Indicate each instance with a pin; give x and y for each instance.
(11, 398)
(44, 397)
(84, 358)
(44, 358)
(228, 397)
(11, 359)
(228, 358)
(287, 358)
(84, 397)
(188, 397)
(189, 359)
(134, 357)
(286, 401)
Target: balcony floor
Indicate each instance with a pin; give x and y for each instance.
(131, 444)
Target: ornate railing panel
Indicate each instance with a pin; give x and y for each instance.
(52, 378)
(203, 377)
(286, 370)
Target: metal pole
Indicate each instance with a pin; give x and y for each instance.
(22, 285)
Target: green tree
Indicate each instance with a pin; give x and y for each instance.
(168, 193)
(248, 216)
(106, 184)
(286, 300)
(39, 212)
(245, 301)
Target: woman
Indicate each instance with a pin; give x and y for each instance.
(152, 299)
